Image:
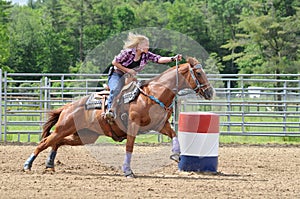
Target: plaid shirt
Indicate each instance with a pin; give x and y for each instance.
(126, 57)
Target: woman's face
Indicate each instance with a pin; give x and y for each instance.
(143, 46)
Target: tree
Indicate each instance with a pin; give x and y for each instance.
(57, 46)
(52, 35)
(187, 18)
(270, 42)
(123, 18)
(222, 17)
(4, 35)
(149, 14)
(26, 40)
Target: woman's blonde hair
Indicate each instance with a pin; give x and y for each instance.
(133, 40)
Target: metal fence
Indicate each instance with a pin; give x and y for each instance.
(247, 104)
(262, 105)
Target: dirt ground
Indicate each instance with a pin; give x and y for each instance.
(244, 171)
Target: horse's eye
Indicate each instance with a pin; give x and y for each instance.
(198, 73)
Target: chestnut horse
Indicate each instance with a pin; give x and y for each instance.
(150, 110)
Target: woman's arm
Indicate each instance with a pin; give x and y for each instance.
(123, 68)
(164, 60)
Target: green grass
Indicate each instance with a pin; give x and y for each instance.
(224, 139)
(267, 124)
(21, 138)
(154, 138)
(259, 140)
(268, 118)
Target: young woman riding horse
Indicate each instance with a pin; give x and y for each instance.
(132, 59)
(149, 111)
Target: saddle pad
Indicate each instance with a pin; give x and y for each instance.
(93, 102)
(132, 91)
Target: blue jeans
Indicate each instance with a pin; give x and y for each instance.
(115, 84)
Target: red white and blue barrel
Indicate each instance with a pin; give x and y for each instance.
(198, 135)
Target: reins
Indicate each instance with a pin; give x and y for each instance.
(198, 86)
(157, 100)
(167, 108)
(177, 78)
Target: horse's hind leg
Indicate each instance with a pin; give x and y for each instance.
(80, 138)
(44, 144)
(51, 157)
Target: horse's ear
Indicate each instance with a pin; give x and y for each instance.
(192, 61)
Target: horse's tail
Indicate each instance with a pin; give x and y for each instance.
(52, 120)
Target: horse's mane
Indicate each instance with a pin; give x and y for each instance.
(191, 60)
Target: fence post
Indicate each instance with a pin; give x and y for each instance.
(229, 105)
(5, 106)
(45, 97)
(243, 104)
(285, 106)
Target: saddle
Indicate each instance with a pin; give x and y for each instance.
(121, 105)
(97, 100)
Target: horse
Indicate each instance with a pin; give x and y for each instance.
(150, 110)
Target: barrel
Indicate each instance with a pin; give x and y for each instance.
(198, 135)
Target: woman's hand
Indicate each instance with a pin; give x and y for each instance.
(178, 57)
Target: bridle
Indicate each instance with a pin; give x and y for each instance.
(199, 86)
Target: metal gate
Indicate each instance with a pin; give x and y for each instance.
(264, 105)
(25, 101)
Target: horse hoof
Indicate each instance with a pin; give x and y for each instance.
(48, 169)
(26, 170)
(175, 157)
(129, 174)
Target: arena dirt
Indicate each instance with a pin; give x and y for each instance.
(244, 171)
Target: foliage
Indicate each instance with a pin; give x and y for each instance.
(4, 38)
(56, 36)
(269, 41)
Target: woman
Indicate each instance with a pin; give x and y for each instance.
(132, 59)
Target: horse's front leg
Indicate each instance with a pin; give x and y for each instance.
(131, 134)
(167, 130)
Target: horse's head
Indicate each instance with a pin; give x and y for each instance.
(198, 81)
